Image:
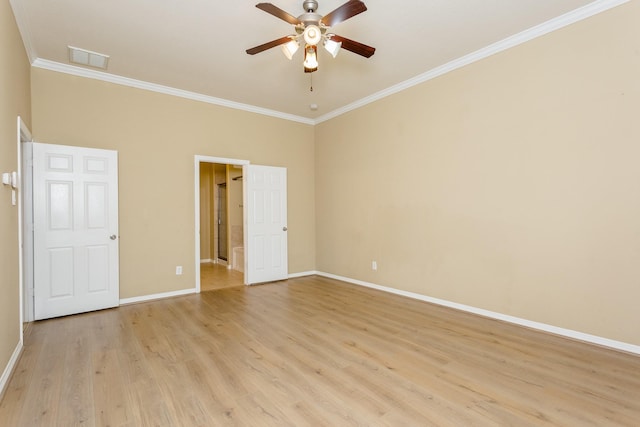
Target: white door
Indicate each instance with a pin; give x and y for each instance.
(75, 213)
(265, 195)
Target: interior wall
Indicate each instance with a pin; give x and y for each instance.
(15, 100)
(213, 231)
(236, 218)
(157, 197)
(514, 185)
(206, 209)
(220, 177)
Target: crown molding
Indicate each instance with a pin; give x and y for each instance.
(139, 84)
(547, 27)
(562, 21)
(23, 27)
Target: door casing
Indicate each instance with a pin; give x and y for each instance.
(206, 159)
(25, 225)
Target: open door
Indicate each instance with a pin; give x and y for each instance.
(75, 246)
(265, 199)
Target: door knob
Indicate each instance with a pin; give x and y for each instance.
(113, 237)
(284, 228)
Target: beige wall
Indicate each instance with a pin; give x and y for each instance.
(515, 184)
(220, 177)
(14, 102)
(234, 194)
(206, 210)
(157, 137)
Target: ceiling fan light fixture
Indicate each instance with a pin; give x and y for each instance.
(332, 47)
(310, 59)
(311, 30)
(289, 49)
(312, 35)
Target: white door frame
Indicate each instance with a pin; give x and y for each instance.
(208, 159)
(25, 260)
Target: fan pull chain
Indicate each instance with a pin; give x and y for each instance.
(311, 79)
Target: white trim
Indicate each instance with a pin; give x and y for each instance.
(568, 333)
(206, 261)
(197, 160)
(554, 24)
(221, 160)
(8, 370)
(23, 27)
(24, 134)
(302, 274)
(152, 297)
(139, 84)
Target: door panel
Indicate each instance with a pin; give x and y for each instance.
(61, 266)
(98, 268)
(96, 205)
(59, 208)
(266, 223)
(75, 205)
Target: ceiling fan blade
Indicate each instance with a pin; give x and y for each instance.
(268, 45)
(344, 12)
(354, 46)
(278, 13)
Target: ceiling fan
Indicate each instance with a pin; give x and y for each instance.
(312, 29)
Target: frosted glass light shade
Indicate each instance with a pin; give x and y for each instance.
(290, 48)
(332, 47)
(312, 35)
(310, 59)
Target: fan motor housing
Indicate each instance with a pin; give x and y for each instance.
(310, 17)
(310, 5)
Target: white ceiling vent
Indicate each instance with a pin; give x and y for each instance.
(86, 57)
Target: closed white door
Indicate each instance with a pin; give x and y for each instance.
(75, 213)
(265, 196)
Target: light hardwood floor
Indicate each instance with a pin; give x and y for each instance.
(217, 276)
(311, 352)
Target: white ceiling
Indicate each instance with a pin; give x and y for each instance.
(199, 45)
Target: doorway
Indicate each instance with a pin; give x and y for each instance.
(68, 222)
(261, 209)
(220, 239)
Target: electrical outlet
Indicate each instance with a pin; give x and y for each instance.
(374, 265)
(179, 270)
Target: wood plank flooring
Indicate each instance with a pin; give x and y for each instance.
(217, 276)
(311, 352)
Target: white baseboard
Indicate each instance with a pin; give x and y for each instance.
(302, 274)
(144, 298)
(8, 370)
(205, 261)
(568, 333)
